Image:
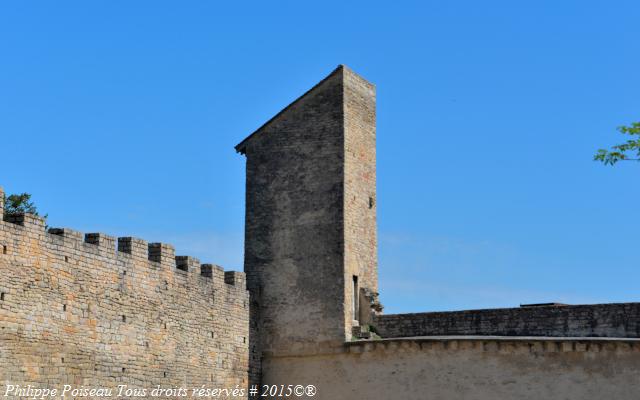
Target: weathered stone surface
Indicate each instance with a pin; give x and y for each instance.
(78, 312)
(310, 219)
(469, 368)
(603, 320)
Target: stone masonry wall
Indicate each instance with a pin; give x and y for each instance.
(470, 368)
(310, 218)
(73, 310)
(294, 247)
(360, 226)
(598, 320)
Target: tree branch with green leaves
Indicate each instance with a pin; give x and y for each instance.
(20, 203)
(628, 151)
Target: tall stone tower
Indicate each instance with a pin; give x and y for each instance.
(310, 235)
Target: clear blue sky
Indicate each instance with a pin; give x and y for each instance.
(121, 117)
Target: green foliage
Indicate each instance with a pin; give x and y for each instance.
(621, 152)
(20, 203)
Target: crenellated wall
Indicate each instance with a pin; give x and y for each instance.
(77, 309)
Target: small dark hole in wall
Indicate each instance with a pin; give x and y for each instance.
(165, 374)
(124, 318)
(64, 307)
(244, 339)
(372, 202)
(66, 258)
(124, 272)
(2, 296)
(123, 369)
(165, 325)
(4, 249)
(211, 332)
(62, 360)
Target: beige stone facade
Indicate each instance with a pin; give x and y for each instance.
(74, 310)
(470, 368)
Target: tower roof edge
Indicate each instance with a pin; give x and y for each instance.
(340, 69)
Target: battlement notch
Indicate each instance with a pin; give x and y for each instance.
(30, 221)
(163, 253)
(187, 263)
(135, 247)
(67, 234)
(103, 241)
(235, 278)
(213, 271)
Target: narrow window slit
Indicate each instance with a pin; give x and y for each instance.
(355, 298)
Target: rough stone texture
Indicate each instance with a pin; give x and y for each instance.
(73, 310)
(469, 369)
(605, 320)
(360, 226)
(293, 235)
(310, 174)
